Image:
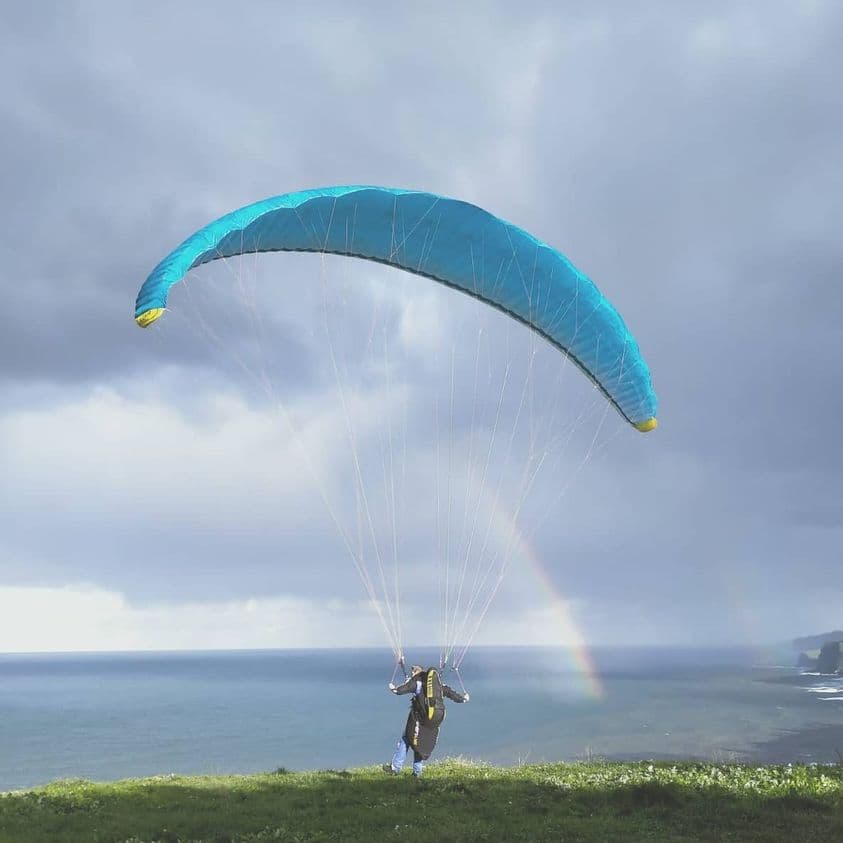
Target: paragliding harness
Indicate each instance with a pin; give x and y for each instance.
(427, 709)
(430, 704)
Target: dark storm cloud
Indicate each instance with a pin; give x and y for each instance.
(134, 126)
(686, 157)
(717, 174)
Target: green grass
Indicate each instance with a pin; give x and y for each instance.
(455, 801)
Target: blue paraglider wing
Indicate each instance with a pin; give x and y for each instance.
(450, 241)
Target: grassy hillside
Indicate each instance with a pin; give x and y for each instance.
(456, 801)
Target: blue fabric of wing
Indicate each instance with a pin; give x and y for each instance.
(450, 241)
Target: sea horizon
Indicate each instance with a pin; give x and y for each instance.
(408, 648)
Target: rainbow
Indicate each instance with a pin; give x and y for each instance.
(570, 635)
(523, 557)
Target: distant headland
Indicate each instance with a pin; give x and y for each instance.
(822, 653)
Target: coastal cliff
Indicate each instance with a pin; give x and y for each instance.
(827, 659)
(830, 659)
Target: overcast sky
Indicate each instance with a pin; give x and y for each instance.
(686, 156)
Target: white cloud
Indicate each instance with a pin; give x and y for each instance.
(81, 618)
(90, 618)
(105, 453)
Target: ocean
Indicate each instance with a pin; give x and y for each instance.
(107, 716)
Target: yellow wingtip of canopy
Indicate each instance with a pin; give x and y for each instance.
(648, 425)
(146, 318)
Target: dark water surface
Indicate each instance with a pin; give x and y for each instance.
(110, 716)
